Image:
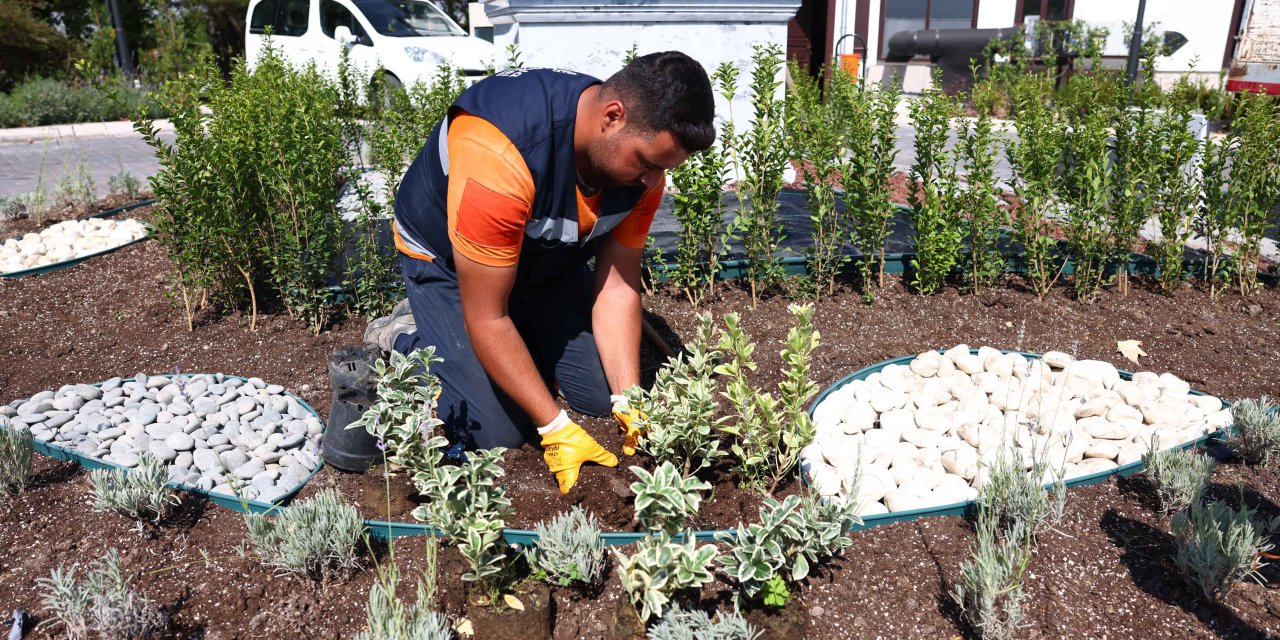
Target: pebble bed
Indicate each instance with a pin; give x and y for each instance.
(67, 240)
(926, 434)
(229, 436)
(351, 204)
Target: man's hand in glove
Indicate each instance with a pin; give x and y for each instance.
(631, 420)
(567, 447)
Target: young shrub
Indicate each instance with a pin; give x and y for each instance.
(664, 499)
(404, 417)
(1255, 183)
(681, 407)
(1213, 222)
(1257, 430)
(15, 461)
(981, 197)
(769, 432)
(817, 134)
(990, 589)
(315, 537)
(695, 624)
(938, 229)
(102, 605)
(1094, 225)
(698, 206)
(141, 493)
(470, 506)
(1179, 476)
(570, 549)
(792, 537)
(1218, 545)
(761, 156)
(660, 569)
(1035, 156)
(867, 111)
(387, 618)
(1176, 185)
(76, 189)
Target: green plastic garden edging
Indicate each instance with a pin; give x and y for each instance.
(961, 508)
(231, 502)
(58, 266)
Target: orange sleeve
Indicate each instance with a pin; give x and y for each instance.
(490, 192)
(635, 227)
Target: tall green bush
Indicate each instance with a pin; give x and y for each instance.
(938, 228)
(247, 192)
(1035, 156)
(866, 111)
(1095, 224)
(981, 198)
(818, 139)
(762, 155)
(697, 205)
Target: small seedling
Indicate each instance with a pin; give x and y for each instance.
(570, 549)
(990, 590)
(102, 605)
(665, 500)
(660, 569)
(141, 493)
(316, 537)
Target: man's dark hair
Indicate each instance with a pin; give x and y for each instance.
(667, 91)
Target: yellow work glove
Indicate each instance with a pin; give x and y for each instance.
(567, 447)
(632, 421)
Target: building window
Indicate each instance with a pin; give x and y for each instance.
(1031, 11)
(912, 15)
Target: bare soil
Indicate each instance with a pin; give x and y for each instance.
(1106, 570)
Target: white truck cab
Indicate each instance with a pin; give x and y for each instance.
(406, 40)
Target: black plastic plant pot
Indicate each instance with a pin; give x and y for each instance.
(354, 391)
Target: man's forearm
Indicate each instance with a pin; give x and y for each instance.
(615, 321)
(505, 357)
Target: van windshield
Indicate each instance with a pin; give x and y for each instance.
(408, 18)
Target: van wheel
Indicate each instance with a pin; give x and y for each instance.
(383, 89)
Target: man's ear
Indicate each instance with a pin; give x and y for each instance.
(613, 116)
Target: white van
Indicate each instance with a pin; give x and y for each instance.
(405, 40)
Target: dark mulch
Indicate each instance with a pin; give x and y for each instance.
(1106, 570)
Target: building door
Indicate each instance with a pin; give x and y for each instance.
(809, 34)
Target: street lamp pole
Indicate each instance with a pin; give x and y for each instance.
(1135, 44)
(122, 44)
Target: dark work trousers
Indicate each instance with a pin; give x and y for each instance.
(555, 322)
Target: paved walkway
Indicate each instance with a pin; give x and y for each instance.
(38, 156)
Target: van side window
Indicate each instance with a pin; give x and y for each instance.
(293, 17)
(334, 15)
(264, 15)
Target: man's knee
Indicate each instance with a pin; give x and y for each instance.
(589, 396)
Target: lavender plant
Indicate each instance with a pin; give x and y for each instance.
(1179, 476)
(570, 549)
(315, 537)
(695, 624)
(141, 493)
(762, 155)
(989, 592)
(1218, 545)
(937, 224)
(15, 461)
(387, 618)
(1256, 437)
(681, 407)
(102, 605)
